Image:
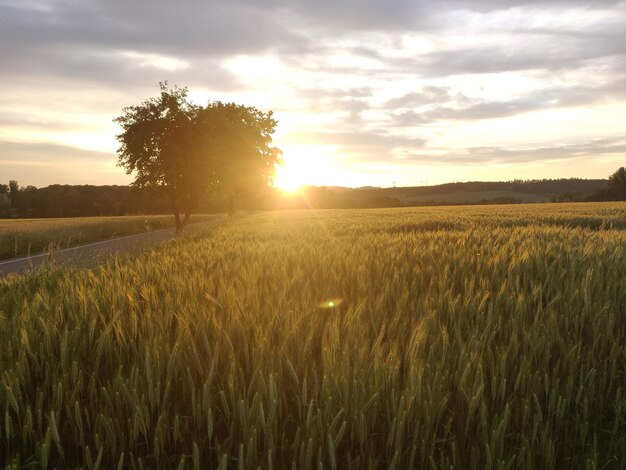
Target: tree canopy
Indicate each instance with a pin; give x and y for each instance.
(617, 184)
(186, 149)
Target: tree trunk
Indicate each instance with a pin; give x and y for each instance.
(179, 224)
(187, 215)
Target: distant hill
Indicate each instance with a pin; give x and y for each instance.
(474, 192)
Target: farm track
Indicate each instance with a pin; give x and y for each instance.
(94, 253)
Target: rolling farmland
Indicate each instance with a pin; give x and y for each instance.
(456, 337)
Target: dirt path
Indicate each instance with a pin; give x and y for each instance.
(93, 253)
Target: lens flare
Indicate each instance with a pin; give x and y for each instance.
(330, 303)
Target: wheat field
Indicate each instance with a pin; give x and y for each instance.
(434, 338)
(23, 237)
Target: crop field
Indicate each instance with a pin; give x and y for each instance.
(23, 237)
(431, 338)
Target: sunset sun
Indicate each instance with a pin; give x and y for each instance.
(289, 178)
(300, 167)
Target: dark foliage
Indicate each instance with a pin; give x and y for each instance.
(186, 150)
(614, 189)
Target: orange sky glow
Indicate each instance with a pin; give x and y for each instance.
(376, 95)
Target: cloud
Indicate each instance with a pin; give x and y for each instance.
(336, 93)
(398, 15)
(428, 95)
(12, 119)
(498, 155)
(480, 110)
(41, 164)
(552, 53)
(472, 110)
(198, 28)
(354, 139)
(595, 148)
(92, 40)
(360, 75)
(47, 153)
(359, 146)
(105, 41)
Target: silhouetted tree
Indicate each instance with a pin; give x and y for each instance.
(5, 202)
(147, 150)
(14, 190)
(617, 184)
(235, 142)
(187, 149)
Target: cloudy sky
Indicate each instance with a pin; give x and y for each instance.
(367, 92)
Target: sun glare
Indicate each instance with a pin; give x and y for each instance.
(302, 166)
(288, 178)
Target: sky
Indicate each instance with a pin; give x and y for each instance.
(366, 93)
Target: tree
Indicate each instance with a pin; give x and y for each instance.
(14, 191)
(146, 147)
(5, 202)
(187, 149)
(236, 140)
(617, 184)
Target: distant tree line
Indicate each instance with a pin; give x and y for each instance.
(81, 201)
(76, 201)
(580, 187)
(87, 200)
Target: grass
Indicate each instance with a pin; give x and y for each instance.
(23, 237)
(476, 337)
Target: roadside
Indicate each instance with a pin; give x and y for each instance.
(27, 237)
(93, 253)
